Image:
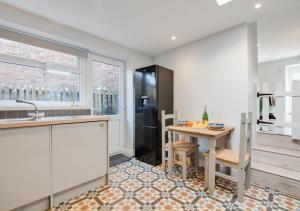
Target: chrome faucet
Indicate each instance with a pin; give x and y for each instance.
(36, 113)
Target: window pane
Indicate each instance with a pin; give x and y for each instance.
(105, 88)
(36, 84)
(292, 76)
(13, 48)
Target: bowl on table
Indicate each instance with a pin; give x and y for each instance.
(215, 126)
(182, 123)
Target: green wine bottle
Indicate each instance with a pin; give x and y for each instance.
(205, 116)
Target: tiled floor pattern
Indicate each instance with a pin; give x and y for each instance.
(136, 186)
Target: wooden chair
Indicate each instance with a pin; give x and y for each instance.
(182, 150)
(239, 160)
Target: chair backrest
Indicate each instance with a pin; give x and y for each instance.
(245, 137)
(165, 117)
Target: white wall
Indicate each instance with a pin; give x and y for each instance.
(215, 72)
(27, 22)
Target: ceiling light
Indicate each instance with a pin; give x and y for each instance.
(258, 44)
(222, 2)
(173, 38)
(257, 6)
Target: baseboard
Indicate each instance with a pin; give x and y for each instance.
(76, 191)
(115, 150)
(39, 205)
(127, 151)
(63, 196)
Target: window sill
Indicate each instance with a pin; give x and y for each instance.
(41, 107)
(111, 117)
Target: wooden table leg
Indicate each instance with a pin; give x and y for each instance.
(184, 166)
(206, 181)
(229, 142)
(212, 165)
(170, 153)
(196, 161)
(248, 175)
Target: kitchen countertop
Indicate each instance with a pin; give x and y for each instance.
(27, 122)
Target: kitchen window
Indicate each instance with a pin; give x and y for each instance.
(47, 76)
(292, 73)
(292, 78)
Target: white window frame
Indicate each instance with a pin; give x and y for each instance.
(288, 85)
(288, 92)
(80, 69)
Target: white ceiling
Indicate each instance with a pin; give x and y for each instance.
(147, 25)
(279, 36)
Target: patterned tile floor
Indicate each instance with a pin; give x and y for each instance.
(136, 186)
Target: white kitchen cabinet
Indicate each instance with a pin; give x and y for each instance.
(24, 166)
(79, 153)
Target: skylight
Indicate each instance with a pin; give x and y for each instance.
(222, 2)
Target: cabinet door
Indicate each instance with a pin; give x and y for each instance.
(24, 166)
(79, 153)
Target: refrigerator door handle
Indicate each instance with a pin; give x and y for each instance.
(152, 127)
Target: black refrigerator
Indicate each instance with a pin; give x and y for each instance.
(153, 93)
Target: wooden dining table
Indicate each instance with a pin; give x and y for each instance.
(199, 131)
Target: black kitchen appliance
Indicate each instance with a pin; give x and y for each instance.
(153, 93)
